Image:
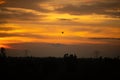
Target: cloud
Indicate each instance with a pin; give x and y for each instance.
(7, 34)
(104, 7)
(64, 19)
(27, 35)
(17, 10)
(95, 38)
(2, 2)
(19, 14)
(27, 4)
(13, 31)
(6, 28)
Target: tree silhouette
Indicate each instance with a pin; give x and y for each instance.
(3, 52)
(70, 62)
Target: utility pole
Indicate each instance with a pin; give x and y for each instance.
(96, 54)
(26, 53)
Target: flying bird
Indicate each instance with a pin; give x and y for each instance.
(62, 32)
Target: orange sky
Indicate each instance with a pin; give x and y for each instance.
(82, 21)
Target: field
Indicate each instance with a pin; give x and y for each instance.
(52, 68)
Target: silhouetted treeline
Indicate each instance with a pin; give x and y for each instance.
(66, 68)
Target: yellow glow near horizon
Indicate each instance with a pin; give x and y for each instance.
(53, 35)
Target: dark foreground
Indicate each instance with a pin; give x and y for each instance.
(60, 69)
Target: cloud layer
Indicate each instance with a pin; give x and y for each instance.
(104, 7)
(44, 20)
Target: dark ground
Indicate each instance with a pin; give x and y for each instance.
(60, 68)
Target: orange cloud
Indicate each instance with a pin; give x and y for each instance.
(2, 1)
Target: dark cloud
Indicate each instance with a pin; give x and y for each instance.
(64, 19)
(2, 21)
(2, 34)
(106, 7)
(6, 28)
(18, 15)
(7, 14)
(84, 29)
(27, 4)
(105, 38)
(3, 17)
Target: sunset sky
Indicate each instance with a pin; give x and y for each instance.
(37, 25)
